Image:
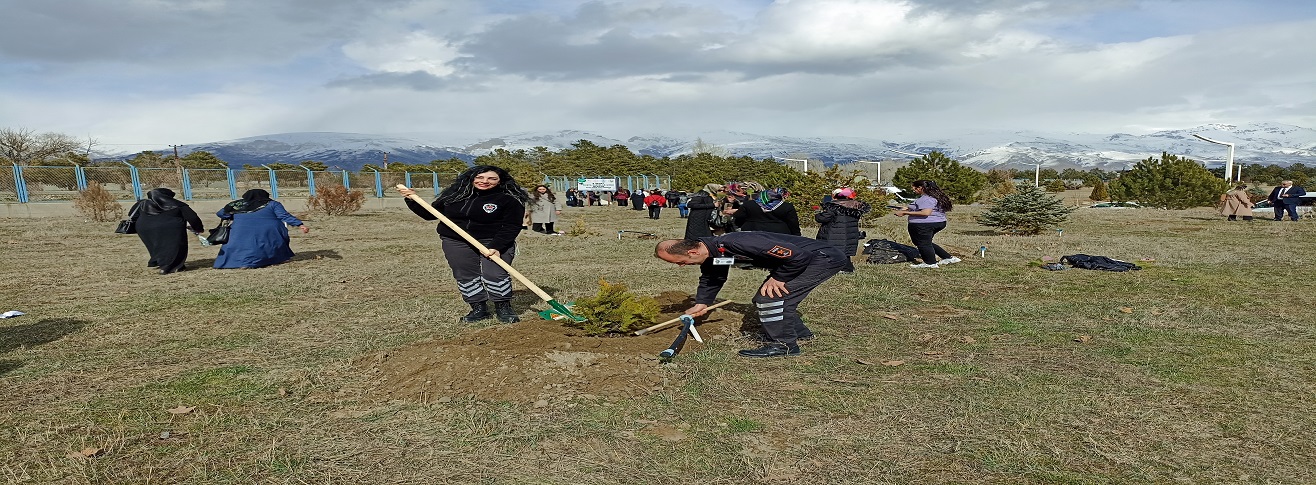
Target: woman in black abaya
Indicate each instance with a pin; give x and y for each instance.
(162, 223)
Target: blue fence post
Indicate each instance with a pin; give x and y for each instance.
(137, 181)
(406, 178)
(379, 185)
(187, 184)
(274, 182)
(80, 177)
(436, 183)
(232, 183)
(20, 186)
(630, 185)
(347, 183)
(310, 180)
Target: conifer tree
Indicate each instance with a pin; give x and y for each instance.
(1169, 182)
(961, 183)
(1028, 211)
(1099, 192)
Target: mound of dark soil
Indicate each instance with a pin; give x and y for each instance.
(538, 361)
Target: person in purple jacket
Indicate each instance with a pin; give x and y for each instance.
(927, 217)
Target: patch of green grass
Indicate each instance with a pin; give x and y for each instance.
(951, 368)
(743, 425)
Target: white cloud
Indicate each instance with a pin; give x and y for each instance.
(415, 51)
(188, 71)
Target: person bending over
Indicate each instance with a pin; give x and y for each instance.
(796, 265)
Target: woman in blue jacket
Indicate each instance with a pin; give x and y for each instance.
(258, 236)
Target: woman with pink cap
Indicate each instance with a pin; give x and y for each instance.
(839, 221)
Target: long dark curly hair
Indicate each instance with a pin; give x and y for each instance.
(534, 194)
(931, 189)
(464, 187)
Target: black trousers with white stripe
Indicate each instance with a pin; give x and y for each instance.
(478, 278)
(780, 319)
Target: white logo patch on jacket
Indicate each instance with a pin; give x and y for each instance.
(490, 208)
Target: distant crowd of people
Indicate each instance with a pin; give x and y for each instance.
(654, 200)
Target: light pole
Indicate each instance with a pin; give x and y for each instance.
(1229, 161)
(877, 179)
(907, 154)
(805, 160)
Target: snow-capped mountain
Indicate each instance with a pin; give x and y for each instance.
(1264, 143)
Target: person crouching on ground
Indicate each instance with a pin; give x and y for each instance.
(488, 204)
(796, 266)
(258, 236)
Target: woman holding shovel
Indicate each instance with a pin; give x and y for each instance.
(488, 204)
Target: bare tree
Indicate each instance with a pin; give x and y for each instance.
(702, 146)
(26, 147)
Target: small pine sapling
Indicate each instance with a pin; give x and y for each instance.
(1028, 211)
(614, 310)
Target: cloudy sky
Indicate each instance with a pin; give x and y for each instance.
(158, 72)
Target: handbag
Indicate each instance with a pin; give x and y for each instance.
(129, 225)
(219, 235)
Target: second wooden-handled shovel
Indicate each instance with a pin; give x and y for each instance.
(558, 307)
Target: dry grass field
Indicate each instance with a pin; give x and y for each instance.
(1200, 368)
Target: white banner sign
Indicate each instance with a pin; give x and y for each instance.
(597, 185)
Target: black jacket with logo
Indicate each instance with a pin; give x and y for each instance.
(492, 217)
(784, 256)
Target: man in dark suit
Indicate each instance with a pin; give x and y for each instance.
(1286, 198)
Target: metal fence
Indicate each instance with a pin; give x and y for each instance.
(44, 184)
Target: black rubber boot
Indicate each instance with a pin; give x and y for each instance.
(479, 311)
(505, 312)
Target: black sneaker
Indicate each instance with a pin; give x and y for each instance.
(764, 338)
(771, 350)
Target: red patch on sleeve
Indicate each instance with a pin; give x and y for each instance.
(780, 252)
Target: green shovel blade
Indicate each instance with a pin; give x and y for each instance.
(559, 310)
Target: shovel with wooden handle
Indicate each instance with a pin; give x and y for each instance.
(556, 305)
(674, 321)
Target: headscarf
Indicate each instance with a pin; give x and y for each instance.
(252, 200)
(711, 188)
(159, 200)
(770, 199)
